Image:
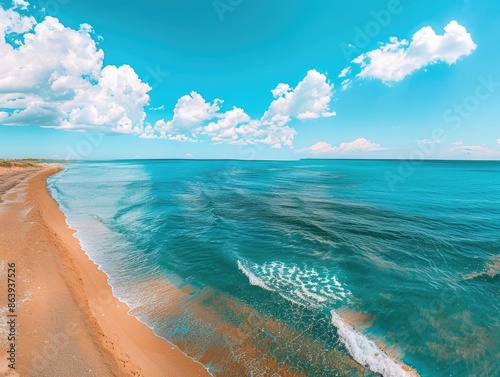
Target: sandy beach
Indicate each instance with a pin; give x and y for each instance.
(68, 322)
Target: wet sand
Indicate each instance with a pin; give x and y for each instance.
(68, 322)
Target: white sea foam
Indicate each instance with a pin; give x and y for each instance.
(254, 280)
(315, 288)
(300, 285)
(313, 295)
(365, 351)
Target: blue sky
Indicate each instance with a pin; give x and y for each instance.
(250, 79)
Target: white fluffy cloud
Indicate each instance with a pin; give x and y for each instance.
(54, 76)
(226, 128)
(356, 146)
(346, 71)
(194, 117)
(498, 141)
(189, 114)
(21, 4)
(310, 99)
(280, 90)
(321, 147)
(397, 59)
(12, 22)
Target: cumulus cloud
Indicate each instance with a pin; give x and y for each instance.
(310, 99)
(280, 90)
(226, 128)
(321, 147)
(189, 114)
(21, 4)
(12, 22)
(356, 146)
(346, 71)
(55, 77)
(498, 141)
(397, 59)
(195, 118)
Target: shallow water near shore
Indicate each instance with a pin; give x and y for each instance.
(306, 268)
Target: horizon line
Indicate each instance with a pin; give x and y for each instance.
(247, 160)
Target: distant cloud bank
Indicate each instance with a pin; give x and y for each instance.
(356, 146)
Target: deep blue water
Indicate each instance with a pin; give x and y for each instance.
(255, 268)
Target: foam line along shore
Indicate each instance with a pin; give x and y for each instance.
(69, 322)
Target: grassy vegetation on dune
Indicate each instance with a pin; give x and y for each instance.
(28, 163)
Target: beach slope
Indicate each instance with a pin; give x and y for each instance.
(68, 322)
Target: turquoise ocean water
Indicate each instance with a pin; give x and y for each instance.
(305, 268)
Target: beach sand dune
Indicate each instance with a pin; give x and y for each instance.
(68, 322)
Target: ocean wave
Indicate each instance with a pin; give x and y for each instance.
(302, 285)
(400, 254)
(367, 353)
(315, 288)
(254, 280)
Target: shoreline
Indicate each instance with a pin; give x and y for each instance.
(69, 321)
